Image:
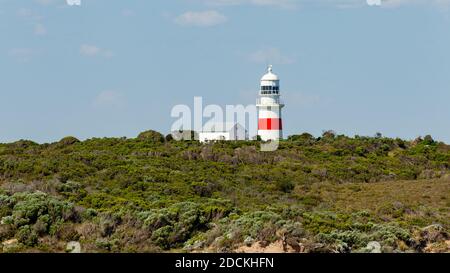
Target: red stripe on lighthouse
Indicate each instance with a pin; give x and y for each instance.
(270, 124)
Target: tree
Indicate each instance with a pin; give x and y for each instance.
(428, 140)
(151, 135)
(169, 138)
(70, 140)
(302, 137)
(329, 134)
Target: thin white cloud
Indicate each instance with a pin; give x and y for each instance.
(45, 2)
(127, 13)
(201, 19)
(89, 50)
(108, 99)
(21, 54)
(402, 3)
(93, 51)
(326, 3)
(289, 4)
(29, 14)
(34, 19)
(270, 56)
(273, 3)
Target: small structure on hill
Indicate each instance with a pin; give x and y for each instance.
(223, 131)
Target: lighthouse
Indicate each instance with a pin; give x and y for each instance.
(270, 126)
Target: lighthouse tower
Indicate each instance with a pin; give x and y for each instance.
(270, 126)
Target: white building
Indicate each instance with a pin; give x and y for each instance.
(270, 126)
(223, 131)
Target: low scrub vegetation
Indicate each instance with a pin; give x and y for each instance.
(153, 193)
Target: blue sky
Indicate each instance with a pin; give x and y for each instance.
(116, 68)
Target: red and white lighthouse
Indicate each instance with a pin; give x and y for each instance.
(270, 125)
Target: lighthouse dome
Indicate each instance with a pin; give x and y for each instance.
(270, 76)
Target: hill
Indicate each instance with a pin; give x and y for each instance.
(150, 194)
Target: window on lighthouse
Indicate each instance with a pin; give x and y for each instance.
(269, 90)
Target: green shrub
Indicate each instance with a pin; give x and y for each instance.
(285, 186)
(304, 138)
(27, 236)
(31, 206)
(70, 140)
(352, 238)
(6, 205)
(173, 226)
(204, 189)
(169, 138)
(152, 136)
(30, 215)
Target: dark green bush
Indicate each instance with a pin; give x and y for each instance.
(27, 236)
(152, 136)
(70, 140)
(285, 185)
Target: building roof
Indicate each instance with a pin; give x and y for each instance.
(270, 76)
(216, 127)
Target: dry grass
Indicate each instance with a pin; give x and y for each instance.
(407, 200)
